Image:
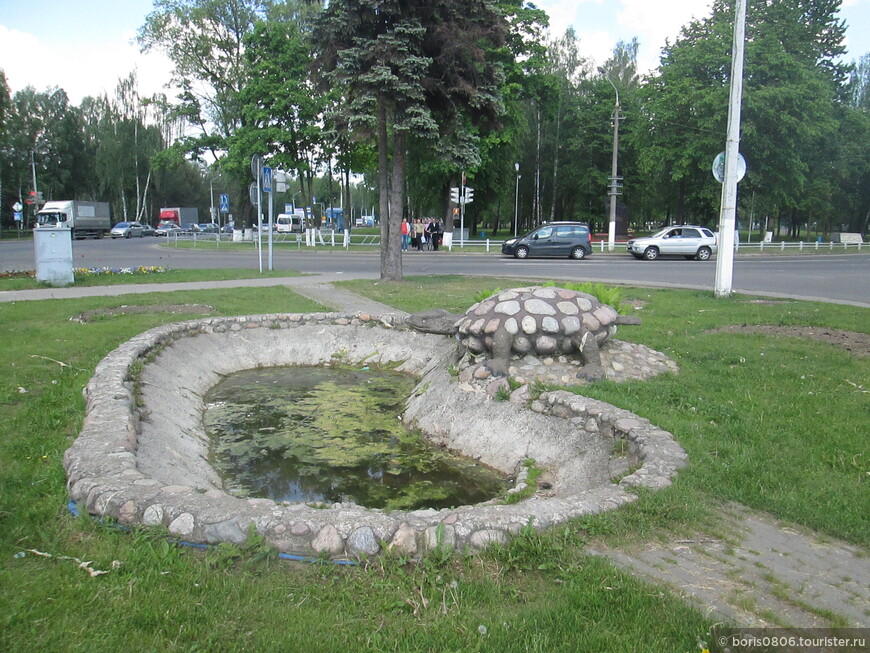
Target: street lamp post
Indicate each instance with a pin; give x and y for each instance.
(211, 194)
(614, 180)
(517, 200)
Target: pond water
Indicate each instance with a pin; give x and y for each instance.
(319, 434)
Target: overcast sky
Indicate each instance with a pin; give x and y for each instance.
(86, 46)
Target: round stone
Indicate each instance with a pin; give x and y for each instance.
(507, 308)
(522, 345)
(474, 345)
(570, 325)
(511, 326)
(590, 322)
(550, 325)
(328, 541)
(539, 307)
(583, 303)
(568, 308)
(153, 515)
(545, 293)
(546, 345)
(404, 540)
(362, 541)
(182, 525)
(529, 325)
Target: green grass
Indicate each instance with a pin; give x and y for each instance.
(768, 421)
(19, 282)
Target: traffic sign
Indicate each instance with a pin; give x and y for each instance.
(719, 167)
(267, 179)
(225, 203)
(17, 215)
(256, 166)
(17, 207)
(254, 193)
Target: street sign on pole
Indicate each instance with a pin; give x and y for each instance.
(267, 179)
(719, 167)
(224, 203)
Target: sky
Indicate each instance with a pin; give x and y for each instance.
(86, 46)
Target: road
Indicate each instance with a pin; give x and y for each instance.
(840, 278)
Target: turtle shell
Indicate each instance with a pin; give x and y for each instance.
(540, 320)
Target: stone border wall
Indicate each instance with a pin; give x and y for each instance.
(141, 457)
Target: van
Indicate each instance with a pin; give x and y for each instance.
(287, 223)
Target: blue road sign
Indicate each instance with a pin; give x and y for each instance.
(225, 203)
(267, 179)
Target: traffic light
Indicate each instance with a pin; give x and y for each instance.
(454, 195)
(469, 195)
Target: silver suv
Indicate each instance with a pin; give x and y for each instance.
(689, 241)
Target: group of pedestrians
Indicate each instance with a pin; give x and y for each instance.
(421, 235)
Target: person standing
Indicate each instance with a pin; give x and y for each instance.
(432, 235)
(406, 234)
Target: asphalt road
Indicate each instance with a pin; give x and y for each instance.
(839, 277)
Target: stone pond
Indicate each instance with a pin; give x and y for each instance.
(142, 457)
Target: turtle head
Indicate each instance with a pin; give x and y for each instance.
(436, 320)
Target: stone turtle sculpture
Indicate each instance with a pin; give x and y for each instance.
(543, 321)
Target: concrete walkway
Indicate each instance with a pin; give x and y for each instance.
(767, 573)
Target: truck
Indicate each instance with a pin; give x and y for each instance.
(179, 215)
(85, 219)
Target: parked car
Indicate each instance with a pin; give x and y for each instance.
(167, 228)
(208, 228)
(554, 239)
(227, 229)
(689, 241)
(127, 230)
(190, 228)
(148, 230)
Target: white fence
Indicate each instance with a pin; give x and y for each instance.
(345, 241)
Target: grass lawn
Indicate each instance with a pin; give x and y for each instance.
(21, 281)
(776, 423)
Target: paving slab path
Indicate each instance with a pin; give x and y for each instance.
(766, 573)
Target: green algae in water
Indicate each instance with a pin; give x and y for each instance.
(317, 434)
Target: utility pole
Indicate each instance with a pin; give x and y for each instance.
(615, 188)
(517, 200)
(728, 211)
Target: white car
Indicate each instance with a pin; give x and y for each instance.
(167, 228)
(127, 230)
(689, 241)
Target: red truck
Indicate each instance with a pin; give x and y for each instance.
(179, 215)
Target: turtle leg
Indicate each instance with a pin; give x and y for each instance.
(498, 363)
(590, 354)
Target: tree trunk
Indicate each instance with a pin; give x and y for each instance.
(391, 268)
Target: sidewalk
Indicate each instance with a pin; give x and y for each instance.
(767, 574)
(316, 287)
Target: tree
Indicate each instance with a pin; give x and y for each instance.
(791, 82)
(408, 67)
(281, 114)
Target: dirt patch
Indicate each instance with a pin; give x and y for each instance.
(194, 309)
(852, 341)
